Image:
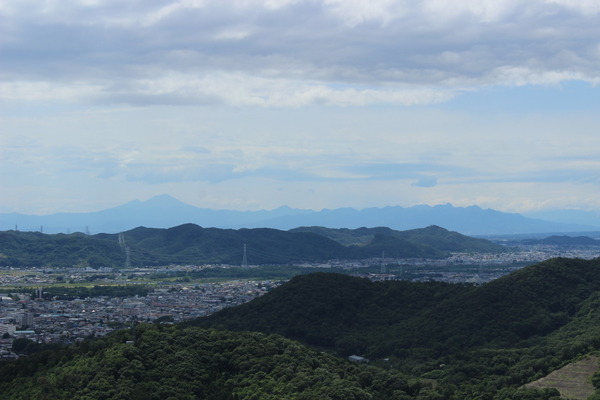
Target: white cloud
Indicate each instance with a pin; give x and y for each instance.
(172, 8)
(235, 34)
(46, 90)
(235, 89)
(355, 12)
(589, 7)
(519, 76)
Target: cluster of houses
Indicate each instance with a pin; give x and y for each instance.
(63, 321)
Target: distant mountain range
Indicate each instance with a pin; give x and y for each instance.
(165, 211)
(577, 241)
(567, 216)
(433, 237)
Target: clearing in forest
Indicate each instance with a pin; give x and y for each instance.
(573, 381)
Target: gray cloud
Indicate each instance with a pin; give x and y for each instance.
(253, 52)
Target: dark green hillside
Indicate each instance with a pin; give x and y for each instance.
(174, 363)
(396, 247)
(533, 301)
(441, 342)
(505, 332)
(184, 244)
(334, 310)
(37, 249)
(432, 237)
(563, 241)
(445, 240)
(387, 318)
(192, 244)
(345, 236)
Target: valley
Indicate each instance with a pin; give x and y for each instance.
(477, 320)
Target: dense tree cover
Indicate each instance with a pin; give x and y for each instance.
(82, 292)
(192, 244)
(431, 239)
(442, 239)
(161, 362)
(427, 341)
(334, 310)
(28, 346)
(533, 301)
(477, 342)
(37, 249)
(263, 272)
(393, 246)
(564, 241)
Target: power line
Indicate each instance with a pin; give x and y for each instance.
(245, 258)
(125, 249)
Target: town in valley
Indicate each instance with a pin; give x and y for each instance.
(34, 311)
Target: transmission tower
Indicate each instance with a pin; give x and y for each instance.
(477, 278)
(245, 258)
(383, 265)
(125, 249)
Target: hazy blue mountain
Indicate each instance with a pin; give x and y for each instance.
(165, 211)
(433, 236)
(471, 220)
(161, 211)
(564, 241)
(568, 216)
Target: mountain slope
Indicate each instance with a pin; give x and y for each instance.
(158, 212)
(483, 342)
(192, 244)
(432, 236)
(165, 211)
(385, 319)
(568, 216)
(471, 220)
(161, 362)
(37, 249)
(563, 241)
(441, 342)
(333, 310)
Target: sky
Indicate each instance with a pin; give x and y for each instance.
(257, 104)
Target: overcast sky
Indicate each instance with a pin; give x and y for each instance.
(250, 104)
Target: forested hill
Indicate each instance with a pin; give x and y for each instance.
(379, 319)
(162, 362)
(564, 241)
(426, 341)
(504, 332)
(192, 244)
(432, 236)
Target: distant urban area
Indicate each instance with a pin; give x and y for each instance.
(43, 306)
